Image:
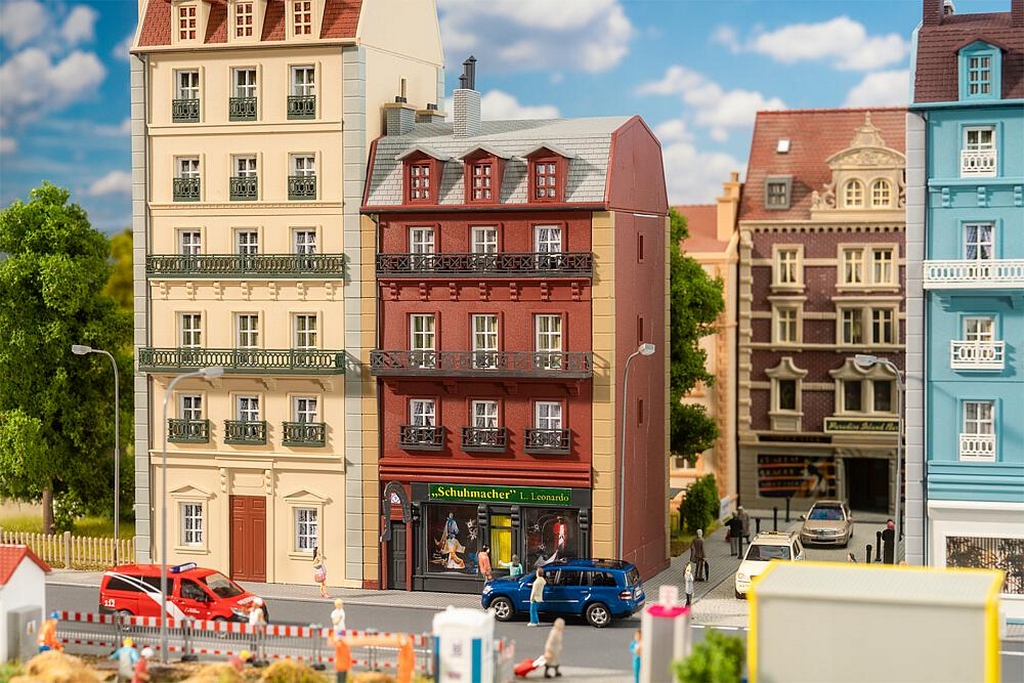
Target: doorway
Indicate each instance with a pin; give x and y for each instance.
(248, 538)
(398, 561)
(867, 484)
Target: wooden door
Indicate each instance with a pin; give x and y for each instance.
(397, 561)
(248, 538)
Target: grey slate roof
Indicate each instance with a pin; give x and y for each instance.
(587, 141)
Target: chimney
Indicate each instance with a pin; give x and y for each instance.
(429, 115)
(466, 102)
(728, 207)
(399, 117)
(1017, 13)
(933, 12)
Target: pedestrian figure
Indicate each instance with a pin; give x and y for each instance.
(553, 649)
(697, 553)
(406, 660)
(688, 583)
(338, 618)
(636, 649)
(483, 561)
(745, 520)
(258, 622)
(142, 666)
(735, 525)
(537, 597)
(127, 657)
(515, 567)
(239, 661)
(342, 659)
(47, 636)
(851, 558)
(320, 572)
(889, 543)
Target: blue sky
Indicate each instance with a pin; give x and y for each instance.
(695, 70)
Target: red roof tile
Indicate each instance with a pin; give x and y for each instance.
(11, 556)
(273, 21)
(217, 25)
(702, 224)
(341, 18)
(814, 135)
(156, 26)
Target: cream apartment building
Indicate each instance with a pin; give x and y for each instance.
(251, 125)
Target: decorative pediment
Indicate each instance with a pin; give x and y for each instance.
(866, 176)
(786, 369)
(851, 370)
(867, 151)
(190, 492)
(305, 496)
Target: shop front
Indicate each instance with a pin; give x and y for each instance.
(451, 522)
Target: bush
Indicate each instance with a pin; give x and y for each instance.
(287, 671)
(717, 659)
(700, 506)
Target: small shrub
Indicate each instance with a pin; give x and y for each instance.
(287, 671)
(700, 506)
(716, 659)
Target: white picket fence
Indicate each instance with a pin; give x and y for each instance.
(68, 551)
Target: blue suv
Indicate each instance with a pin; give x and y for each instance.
(599, 590)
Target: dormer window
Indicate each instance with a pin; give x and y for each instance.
(483, 168)
(777, 192)
(482, 182)
(881, 194)
(421, 172)
(545, 179)
(188, 22)
(979, 75)
(420, 186)
(980, 68)
(243, 19)
(853, 194)
(302, 17)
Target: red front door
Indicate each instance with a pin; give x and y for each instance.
(248, 538)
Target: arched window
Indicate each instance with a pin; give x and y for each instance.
(881, 194)
(853, 194)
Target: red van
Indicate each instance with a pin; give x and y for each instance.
(196, 593)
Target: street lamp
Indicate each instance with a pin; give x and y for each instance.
(867, 360)
(644, 349)
(205, 373)
(81, 350)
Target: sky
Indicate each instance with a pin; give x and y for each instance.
(696, 71)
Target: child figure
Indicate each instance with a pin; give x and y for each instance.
(688, 583)
(636, 649)
(142, 666)
(338, 618)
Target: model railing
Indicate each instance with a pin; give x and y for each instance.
(978, 162)
(186, 189)
(485, 439)
(974, 274)
(244, 187)
(242, 109)
(532, 264)
(302, 106)
(301, 187)
(185, 111)
(245, 432)
(243, 360)
(981, 447)
(540, 441)
(977, 355)
(558, 364)
(188, 431)
(420, 438)
(309, 434)
(245, 265)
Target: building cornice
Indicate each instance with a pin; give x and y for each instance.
(817, 227)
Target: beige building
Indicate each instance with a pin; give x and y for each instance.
(251, 125)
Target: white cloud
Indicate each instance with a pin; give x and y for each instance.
(842, 41)
(78, 27)
(726, 35)
(881, 89)
(115, 182)
(674, 130)
(518, 35)
(694, 176)
(33, 84)
(120, 50)
(8, 145)
(498, 105)
(22, 21)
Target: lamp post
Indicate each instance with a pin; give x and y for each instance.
(867, 360)
(81, 350)
(644, 349)
(205, 373)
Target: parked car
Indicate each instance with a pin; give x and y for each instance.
(197, 593)
(766, 546)
(829, 522)
(599, 590)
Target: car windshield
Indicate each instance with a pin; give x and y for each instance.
(633, 577)
(222, 585)
(763, 553)
(828, 514)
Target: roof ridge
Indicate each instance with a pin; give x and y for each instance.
(829, 110)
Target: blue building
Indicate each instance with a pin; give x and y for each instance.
(965, 294)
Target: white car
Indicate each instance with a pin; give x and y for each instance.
(766, 546)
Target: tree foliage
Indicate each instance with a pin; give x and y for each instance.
(120, 285)
(716, 659)
(700, 505)
(56, 408)
(695, 303)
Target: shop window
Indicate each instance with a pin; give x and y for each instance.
(551, 534)
(452, 531)
(501, 544)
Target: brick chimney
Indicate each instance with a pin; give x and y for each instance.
(1017, 13)
(399, 117)
(933, 12)
(466, 103)
(430, 115)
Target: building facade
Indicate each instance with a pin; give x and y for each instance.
(965, 222)
(520, 265)
(821, 280)
(251, 123)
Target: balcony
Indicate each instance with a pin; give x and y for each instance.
(186, 189)
(484, 439)
(533, 264)
(974, 274)
(304, 434)
(244, 188)
(547, 441)
(560, 365)
(185, 111)
(242, 109)
(974, 355)
(245, 432)
(978, 447)
(302, 106)
(188, 431)
(244, 361)
(417, 438)
(301, 187)
(978, 163)
(239, 266)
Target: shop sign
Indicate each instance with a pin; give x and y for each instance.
(837, 424)
(513, 495)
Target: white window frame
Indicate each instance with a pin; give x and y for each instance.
(881, 194)
(191, 327)
(243, 19)
(423, 340)
(190, 242)
(978, 242)
(247, 242)
(194, 512)
(304, 240)
(187, 167)
(303, 165)
(422, 412)
(190, 407)
(186, 84)
(548, 340)
(303, 81)
(548, 415)
(485, 340)
(979, 328)
(484, 414)
(306, 330)
(243, 82)
(306, 409)
(247, 408)
(421, 239)
(853, 194)
(984, 138)
(978, 431)
(485, 239)
(247, 330)
(306, 529)
(547, 239)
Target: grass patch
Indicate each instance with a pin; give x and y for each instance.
(97, 527)
(679, 543)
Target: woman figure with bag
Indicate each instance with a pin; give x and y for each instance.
(320, 572)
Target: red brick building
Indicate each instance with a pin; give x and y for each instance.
(519, 264)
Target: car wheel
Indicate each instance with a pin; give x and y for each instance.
(739, 596)
(503, 609)
(123, 617)
(598, 615)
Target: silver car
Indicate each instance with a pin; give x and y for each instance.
(829, 522)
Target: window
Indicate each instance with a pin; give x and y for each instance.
(248, 408)
(482, 174)
(852, 333)
(187, 22)
(787, 325)
(867, 325)
(854, 270)
(788, 270)
(304, 409)
(244, 183)
(548, 330)
(856, 393)
(548, 415)
(190, 242)
(304, 165)
(485, 341)
(305, 241)
(187, 85)
(422, 340)
(305, 331)
(980, 329)
(785, 394)
(419, 182)
(191, 330)
(186, 183)
(785, 414)
(188, 167)
(852, 398)
(243, 19)
(883, 326)
(247, 326)
(977, 440)
(882, 395)
(881, 194)
(421, 412)
(485, 239)
(882, 266)
(981, 66)
(548, 238)
(192, 524)
(302, 182)
(980, 139)
(302, 17)
(545, 179)
(853, 266)
(978, 156)
(302, 100)
(191, 407)
(777, 192)
(247, 242)
(853, 194)
(421, 240)
(979, 75)
(979, 241)
(242, 104)
(485, 414)
(307, 530)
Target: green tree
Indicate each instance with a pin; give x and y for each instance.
(695, 303)
(700, 505)
(56, 412)
(716, 659)
(120, 285)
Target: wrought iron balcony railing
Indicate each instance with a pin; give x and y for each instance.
(560, 364)
(978, 163)
(185, 111)
(555, 441)
(244, 361)
(309, 434)
(239, 265)
(535, 264)
(301, 187)
(242, 109)
(484, 439)
(977, 355)
(418, 438)
(188, 431)
(302, 106)
(974, 274)
(978, 447)
(244, 188)
(186, 189)
(245, 432)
